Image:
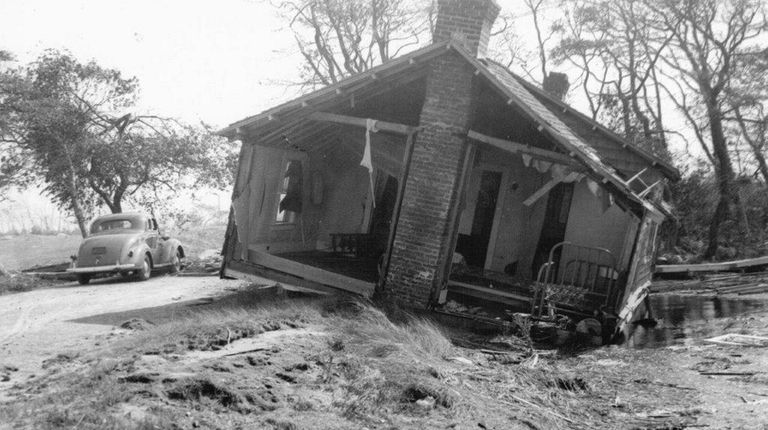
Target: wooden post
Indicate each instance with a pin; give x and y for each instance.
(453, 224)
(407, 155)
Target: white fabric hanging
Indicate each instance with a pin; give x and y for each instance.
(367, 161)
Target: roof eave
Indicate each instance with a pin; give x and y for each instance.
(231, 130)
(670, 171)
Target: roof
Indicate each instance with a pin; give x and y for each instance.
(517, 91)
(669, 170)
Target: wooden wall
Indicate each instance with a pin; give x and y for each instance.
(589, 225)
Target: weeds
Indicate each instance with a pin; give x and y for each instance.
(357, 369)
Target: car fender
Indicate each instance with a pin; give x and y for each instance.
(169, 247)
(139, 253)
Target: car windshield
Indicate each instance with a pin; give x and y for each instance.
(115, 224)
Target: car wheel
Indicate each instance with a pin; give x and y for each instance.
(83, 279)
(176, 262)
(146, 269)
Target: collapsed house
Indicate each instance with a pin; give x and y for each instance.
(441, 176)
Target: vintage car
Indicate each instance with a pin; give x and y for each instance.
(126, 243)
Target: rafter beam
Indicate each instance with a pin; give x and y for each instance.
(571, 177)
(532, 151)
(390, 127)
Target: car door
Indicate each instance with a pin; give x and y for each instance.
(152, 238)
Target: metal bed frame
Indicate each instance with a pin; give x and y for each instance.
(584, 285)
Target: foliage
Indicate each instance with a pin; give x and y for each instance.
(74, 122)
(12, 161)
(743, 235)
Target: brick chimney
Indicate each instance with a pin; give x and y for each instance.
(466, 21)
(423, 239)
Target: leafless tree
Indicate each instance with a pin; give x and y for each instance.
(617, 52)
(338, 38)
(707, 38)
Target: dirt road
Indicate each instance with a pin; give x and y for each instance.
(40, 324)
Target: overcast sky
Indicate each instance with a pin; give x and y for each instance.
(214, 61)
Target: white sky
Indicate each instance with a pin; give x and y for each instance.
(214, 61)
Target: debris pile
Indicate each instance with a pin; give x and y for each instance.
(207, 262)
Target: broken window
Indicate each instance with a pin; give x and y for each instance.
(290, 193)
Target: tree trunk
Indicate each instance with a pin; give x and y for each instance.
(757, 147)
(79, 215)
(723, 170)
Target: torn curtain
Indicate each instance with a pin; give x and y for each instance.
(293, 190)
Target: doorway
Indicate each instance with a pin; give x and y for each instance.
(477, 221)
(381, 220)
(555, 224)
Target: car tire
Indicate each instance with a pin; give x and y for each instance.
(83, 279)
(176, 262)
(146, 269)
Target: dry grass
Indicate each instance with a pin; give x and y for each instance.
(361, 370)
(212, 329)
(28, 250)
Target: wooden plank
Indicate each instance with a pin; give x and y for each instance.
(712, 267)
(571, 177)
(402, 182)
(310, 273)
(385, 126)
(486, 293)
(270, 278)
(515, 148)
(497, 219)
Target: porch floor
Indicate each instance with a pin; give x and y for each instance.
(362, 268)
(490, 286)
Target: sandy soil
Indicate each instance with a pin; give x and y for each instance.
(296, 372)
(39, 324)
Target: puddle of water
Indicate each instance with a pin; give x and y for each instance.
(684, 319)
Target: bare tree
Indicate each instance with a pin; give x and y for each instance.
(707, 37)
(617, 52)
(747, 97)
(338, 38)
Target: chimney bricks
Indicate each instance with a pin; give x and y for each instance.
(467, 22)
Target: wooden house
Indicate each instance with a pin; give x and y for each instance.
(481, 187)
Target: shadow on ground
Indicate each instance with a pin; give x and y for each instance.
(251, 297)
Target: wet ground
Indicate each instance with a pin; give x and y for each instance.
(686, 319)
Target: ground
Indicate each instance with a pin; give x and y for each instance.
(185, 352)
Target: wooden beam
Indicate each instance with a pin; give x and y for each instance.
(713, 267)
(390, 127)
(515, 148)
(572, 177)
(310, 273)
(492, 294)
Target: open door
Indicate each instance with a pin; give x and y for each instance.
(555, 223)
(381, 220)
(478, 217)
